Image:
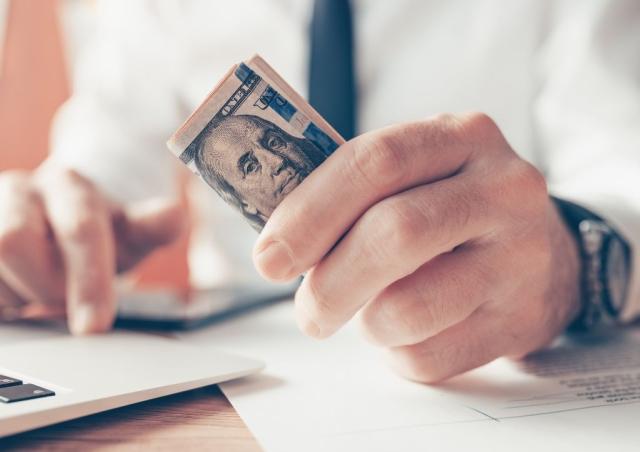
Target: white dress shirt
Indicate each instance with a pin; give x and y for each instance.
(561, 79)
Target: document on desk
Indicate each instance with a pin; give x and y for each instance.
(338, 395)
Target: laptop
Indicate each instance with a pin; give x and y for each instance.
(49, 377)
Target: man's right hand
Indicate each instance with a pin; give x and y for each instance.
(62, 241)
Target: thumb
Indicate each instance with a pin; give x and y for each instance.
(146, 226)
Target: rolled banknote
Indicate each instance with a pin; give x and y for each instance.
(254, 139)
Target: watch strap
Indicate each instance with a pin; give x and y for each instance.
(593, 235)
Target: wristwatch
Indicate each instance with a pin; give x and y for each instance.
(605, 267)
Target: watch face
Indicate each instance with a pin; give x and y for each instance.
(617, 266)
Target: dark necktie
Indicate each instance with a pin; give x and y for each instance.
(332, 89)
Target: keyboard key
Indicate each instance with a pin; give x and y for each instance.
(8, 381)
(23, 392)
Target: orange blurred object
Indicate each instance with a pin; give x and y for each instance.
(168, 267)
(33, 84)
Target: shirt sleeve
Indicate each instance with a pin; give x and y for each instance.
(123, 107)
(587, 115)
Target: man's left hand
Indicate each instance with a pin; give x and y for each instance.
(444, 240)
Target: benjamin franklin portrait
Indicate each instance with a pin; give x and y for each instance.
(253, 164)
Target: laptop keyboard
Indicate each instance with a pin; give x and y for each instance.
(14, 390)
(8, 381)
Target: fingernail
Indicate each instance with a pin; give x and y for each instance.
(274, 261)
(83, 319)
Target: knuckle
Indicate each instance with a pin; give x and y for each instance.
(519, 180)
(447, 119)
(378, 161)
(442, 132)
(480, 123)
(409, 223)
(392, 227)
(482, 134)
(403, 225)
(530, 182)
(530, 178)
(444, 126)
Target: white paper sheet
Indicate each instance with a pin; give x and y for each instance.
(338, 394)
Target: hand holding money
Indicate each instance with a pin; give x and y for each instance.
(254, 139)
(419, 227)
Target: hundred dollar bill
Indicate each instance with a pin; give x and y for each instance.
(254, 139)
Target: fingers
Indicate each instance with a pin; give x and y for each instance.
(439, 294)
(27, 257)
(57, 242)
(361, 173)
(392, 240)
(465, 346)
(11, 305)
(81, 224)
(146, 226)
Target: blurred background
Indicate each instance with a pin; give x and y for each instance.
(38, 43)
